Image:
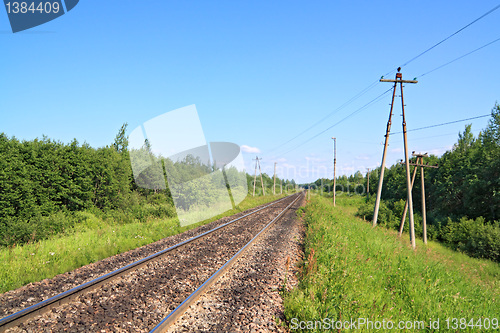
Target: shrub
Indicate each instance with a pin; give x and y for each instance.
(474, 237)
(16, 231)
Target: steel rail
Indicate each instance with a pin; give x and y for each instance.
(71, 294)
(181, 308)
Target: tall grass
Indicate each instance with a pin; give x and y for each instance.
(93, 239)
(354, 271)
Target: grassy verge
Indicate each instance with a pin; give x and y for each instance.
(89, 242)
(353, 271)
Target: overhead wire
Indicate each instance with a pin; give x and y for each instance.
(445, 39)
(374, 83)
(463, 56)
(453, 34)
(442, 124)
(376, 99)
(434, 136)
(355, 97)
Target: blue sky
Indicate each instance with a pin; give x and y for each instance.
(259, 73)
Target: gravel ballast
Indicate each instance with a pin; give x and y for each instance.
(248, 297)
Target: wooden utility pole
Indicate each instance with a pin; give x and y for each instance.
(274, 181)
(406, 204)
(382, 168)
(399, 79)
(261, 181)
(255, 177)
(334, 167)
(257, 163)
(424, 213)
(368, 185)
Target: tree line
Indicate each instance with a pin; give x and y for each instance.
(45, 183)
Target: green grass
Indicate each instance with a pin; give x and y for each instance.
(352, 271)
(91, 241)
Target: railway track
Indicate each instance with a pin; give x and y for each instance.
(166, 282)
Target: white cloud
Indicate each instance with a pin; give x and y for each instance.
(248, 149)
(396, 150)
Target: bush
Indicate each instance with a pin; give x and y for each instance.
(474, 237)
(390, 214)
(386, 214)
(16, 231)
(365, 210)
(477, 238)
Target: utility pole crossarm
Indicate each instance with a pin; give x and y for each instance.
(402, 81)
(421, 164)
(424, 165)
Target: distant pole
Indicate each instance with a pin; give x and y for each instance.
(261, 181)
(281, 186)
(255, 177)
(368, 185)
(334, 167)
(274, 181)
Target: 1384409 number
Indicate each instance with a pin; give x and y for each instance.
(30, 7)
(481, 323)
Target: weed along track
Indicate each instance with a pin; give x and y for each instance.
(139, 294)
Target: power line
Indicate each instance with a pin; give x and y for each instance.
(433, 136)
(442, 41)
(374, 83)
(448, 123)
(376, 99)
(453, 34)
(355, 97)
(449, 62)
(441, 135)
(399, 140)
